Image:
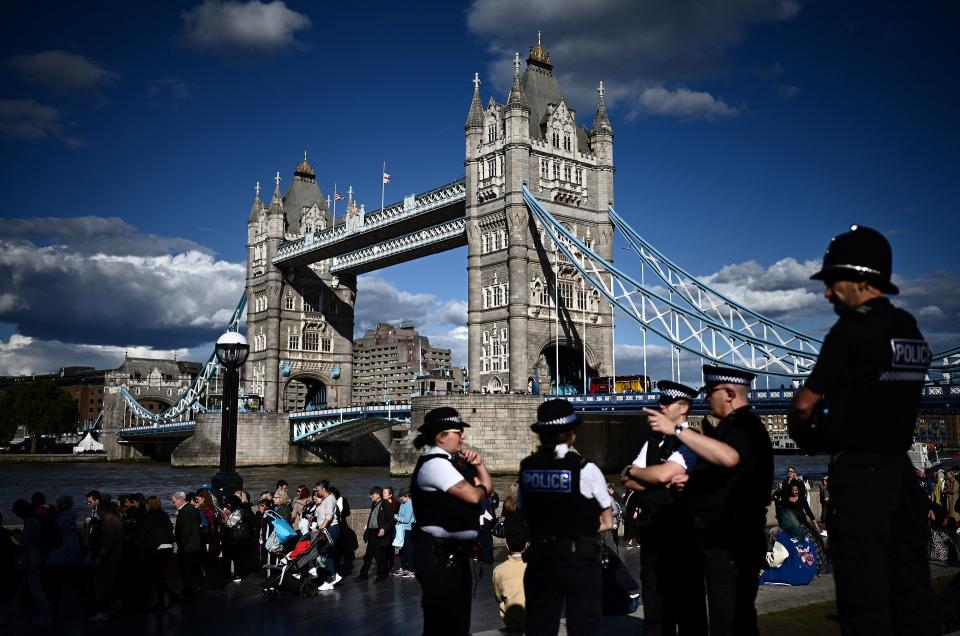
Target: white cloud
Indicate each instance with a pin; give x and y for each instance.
(683, 103)
(63, 73)
(638, 47)
(91, 290)
(23, 355)
(29, 120)
(234, 28)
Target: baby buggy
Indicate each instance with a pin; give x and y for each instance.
(291, 575)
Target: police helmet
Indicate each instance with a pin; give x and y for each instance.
(860, 254)
(444, 418)
(555, 416)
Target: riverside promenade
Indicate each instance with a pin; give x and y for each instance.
(391, 607)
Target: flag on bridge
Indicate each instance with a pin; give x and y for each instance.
(386, 178)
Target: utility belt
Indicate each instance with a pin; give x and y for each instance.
(443, 545)
(553, 548)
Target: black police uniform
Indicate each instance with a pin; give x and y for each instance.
(729, 514)
(442, 565)
(870, 371)
(563, 559)
(664, 532)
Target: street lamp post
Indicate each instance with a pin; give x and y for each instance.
(231, 350)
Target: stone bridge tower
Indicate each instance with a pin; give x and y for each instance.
(513, 321)
(299, 319)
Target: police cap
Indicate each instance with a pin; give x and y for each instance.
(555, 416)
(670, 392)
(713, 375)
(444, 418)
(860, 254)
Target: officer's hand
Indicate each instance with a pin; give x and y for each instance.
(679, 482)
(625, 473)
(659, 423)
(472, 457)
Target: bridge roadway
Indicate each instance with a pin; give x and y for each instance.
(401, 223)
(343, 424)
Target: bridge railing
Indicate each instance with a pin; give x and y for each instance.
(414, 240)
(423, 203)
(188, 426)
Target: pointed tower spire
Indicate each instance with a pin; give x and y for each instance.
(601, 122)
(517, 98)
(257, 203)
(277, 201)
(475, 117)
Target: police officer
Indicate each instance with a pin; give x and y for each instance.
(860, 403)
(728, 491)
(447, 486)
(565, 501)
(664, 526)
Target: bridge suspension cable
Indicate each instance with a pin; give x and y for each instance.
(695, 320)
(188, 399)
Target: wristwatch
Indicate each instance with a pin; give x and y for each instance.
(681, 427)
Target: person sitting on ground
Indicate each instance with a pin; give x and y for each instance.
(793, 560)
(508, 586)
(796, 503)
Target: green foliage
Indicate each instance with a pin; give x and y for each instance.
(42, 407)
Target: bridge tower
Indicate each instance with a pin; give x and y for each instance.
(513, 278)
(299, 319)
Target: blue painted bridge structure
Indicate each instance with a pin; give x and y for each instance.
(332, 425)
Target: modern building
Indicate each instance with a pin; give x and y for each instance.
(84, 384)
(388, 360)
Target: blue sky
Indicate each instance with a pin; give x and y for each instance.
(747, 133)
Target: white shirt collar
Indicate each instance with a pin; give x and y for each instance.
(436, 450)
(561, 450)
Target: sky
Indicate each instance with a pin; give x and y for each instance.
(747, 133)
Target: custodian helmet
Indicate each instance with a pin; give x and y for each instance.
(860, 254)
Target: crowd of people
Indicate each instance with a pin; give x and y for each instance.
(131, 554)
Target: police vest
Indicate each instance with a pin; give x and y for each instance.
(552, 502)
(439, 508)
(654, 500)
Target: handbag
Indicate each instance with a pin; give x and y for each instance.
(399, 538)
(499, 529)
(281, 526)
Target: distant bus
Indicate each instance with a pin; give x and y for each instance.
(625, 384)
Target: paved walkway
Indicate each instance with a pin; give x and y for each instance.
(391, 607)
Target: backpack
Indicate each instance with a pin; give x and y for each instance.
(50, 536)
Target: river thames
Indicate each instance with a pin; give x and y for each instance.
(116, 478)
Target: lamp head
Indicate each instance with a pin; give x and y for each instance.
(232, 349)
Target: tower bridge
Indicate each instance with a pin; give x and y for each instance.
(535, 209)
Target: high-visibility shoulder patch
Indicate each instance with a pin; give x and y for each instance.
(547, 481)
(910, 354)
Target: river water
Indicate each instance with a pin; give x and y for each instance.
(113, 478)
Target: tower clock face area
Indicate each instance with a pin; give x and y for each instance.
(527, 307)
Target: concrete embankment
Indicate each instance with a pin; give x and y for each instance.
(51, 458)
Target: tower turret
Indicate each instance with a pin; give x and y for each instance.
(475, 116)
(257, 206)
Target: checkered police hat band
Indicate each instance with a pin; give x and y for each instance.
(560, 421)
(725, 379)
(674, 393)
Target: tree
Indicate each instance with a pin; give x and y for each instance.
(42, 407)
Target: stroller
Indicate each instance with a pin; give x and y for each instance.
(291, 575)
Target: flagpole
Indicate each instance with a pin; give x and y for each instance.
(333, 221)
(383, 183)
